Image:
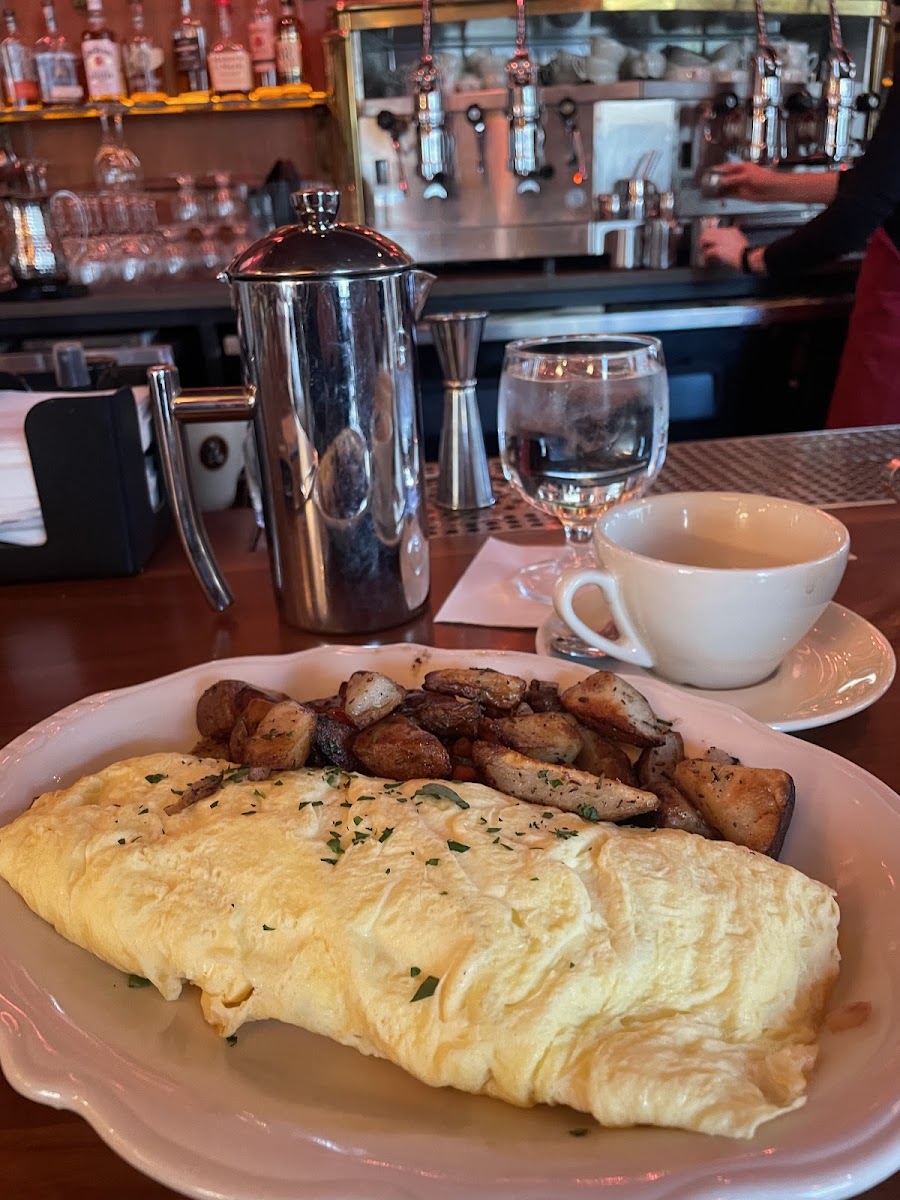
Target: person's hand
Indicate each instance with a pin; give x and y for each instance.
(724, 246)
(747, 181)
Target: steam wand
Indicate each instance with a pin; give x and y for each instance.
(428, 101)
(524, 111)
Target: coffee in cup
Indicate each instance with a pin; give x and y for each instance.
(711, 589)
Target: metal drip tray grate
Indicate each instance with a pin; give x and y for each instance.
(829, 468)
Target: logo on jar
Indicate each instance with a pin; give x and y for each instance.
(213, 452)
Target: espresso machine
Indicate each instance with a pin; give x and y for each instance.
(484, 133)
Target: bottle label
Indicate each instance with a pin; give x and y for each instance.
(102, 69)
(229, 71)
(261, 35)
(289, 59)
(21, 77)
(58, 75)
(186, 47)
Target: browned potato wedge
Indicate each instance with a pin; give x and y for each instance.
(447, 716)
(600, 756)
(333, 743)
(246, 724)
(716, 755)
(610, 705)
(552, 737)
(211, 748)
(501, 691)
(654, 772)
(282, 739)
(217, 709)
(543, 696)
(751, 806)
(564, 787)
(398, 749)
(369, 696)
(251, 692)
(200, 789)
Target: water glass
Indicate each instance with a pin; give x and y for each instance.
(583, 424)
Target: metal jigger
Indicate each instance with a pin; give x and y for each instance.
(463, 478)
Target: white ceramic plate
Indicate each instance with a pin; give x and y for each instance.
(283, 1115)
(843, 665)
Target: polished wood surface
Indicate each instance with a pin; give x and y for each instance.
(63, 641)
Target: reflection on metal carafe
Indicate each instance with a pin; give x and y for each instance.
(326, 321)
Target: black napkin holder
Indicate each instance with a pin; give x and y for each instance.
(90, 471)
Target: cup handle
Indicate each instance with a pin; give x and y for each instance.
(629, 647)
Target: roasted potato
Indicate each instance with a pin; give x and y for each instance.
(217, 709)
(397, 749)
(333, 743)
(502, 692)
(543, 696)
(654, 770)
(200, 789)
(282, 739)
(211, 748)
(369, 696)
(610, 705)
(751, 806)
(446, 716)
(245, 726)
(552, 737)
(600, 756)
(563, 787)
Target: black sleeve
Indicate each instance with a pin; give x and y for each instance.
(866, 195)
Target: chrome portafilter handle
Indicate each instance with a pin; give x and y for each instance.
(464, 481)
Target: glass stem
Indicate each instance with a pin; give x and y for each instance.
(579, 543)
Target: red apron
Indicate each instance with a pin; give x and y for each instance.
(867, 390)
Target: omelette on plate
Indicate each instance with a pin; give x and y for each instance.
(647, 977)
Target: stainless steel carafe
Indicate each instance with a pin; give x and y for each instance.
(326, 318)
(33, 249)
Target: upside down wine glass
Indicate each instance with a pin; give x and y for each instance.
(583, 424)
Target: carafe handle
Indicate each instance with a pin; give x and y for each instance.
(171, 408)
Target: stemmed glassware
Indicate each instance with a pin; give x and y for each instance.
(115, 163)
(583, 424)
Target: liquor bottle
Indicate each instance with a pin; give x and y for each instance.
(142, 58)
(289, 45)
(189, 48)
(102, 57)
(261, 36)
(57, 63)
(229, 62)
(20, 81)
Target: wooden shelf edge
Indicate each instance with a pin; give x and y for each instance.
(171, 106)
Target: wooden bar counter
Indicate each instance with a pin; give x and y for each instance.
(64, 641)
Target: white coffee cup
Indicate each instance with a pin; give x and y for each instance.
(711, 589)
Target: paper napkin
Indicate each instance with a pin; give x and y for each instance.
(487, 593)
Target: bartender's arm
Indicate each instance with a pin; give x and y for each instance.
(861, 200)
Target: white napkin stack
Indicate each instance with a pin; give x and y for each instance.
(487, 593)
(21, 521)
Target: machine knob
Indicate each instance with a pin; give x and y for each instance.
(868, 102)
(724, 103)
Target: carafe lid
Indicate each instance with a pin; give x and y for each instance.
(318, 247)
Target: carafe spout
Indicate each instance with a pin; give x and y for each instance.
(420, 288)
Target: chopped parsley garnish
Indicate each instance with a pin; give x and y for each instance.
(232, 1039)
(331, 861)
(334, 844)
(457, 847)
(250, 812)
(387, 833)
(238, 775)
(548, 816)
(214, 804)
(359, 835)
(432, 862)
(578, 1132)
(535, 879)
(543, 774)
(176, 792)
(426, 988)
(392, 787)
(440, 791)
(278, 783)
(268, 928)
(141, 811)
(493, 829)
(155, 778)
(556, 783)
(562, 834)
(138, 981)
(588, 812)
(357, 820)
(121, 841)
(414, 971)
(365, 798)
(317, 803)
(346, 804)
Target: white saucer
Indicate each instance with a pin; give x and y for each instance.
(843, 665)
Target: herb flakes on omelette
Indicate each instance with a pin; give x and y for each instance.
(647, 977)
